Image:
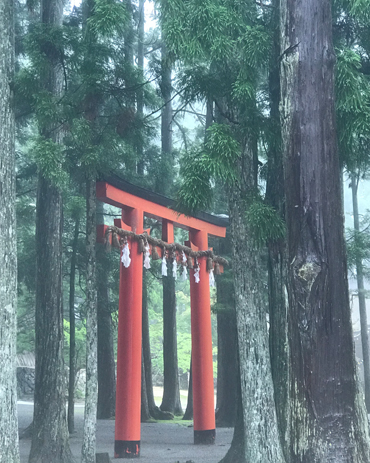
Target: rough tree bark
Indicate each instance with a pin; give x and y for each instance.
(261, 437)
(277, 265)
(72, 331)
(106, 365)
(91, 396)
(50, 432)
(171, 388)
(361, 296)
(9, 449)
(328, 421)
(236, 453)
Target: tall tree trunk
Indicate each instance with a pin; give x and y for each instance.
(106, 364)
(72, 331)
(277, 265)
(91, 396)
(9, 452)
(361, 297)
(227, 347)
(236, 452)
(140, 92)
(328, 421)
(261, 437)
(146, 348)
(166, 122)
(50, 432)
(129, 38)
(227, 371)
(145, 412)
(171, 387)
(106, 361)
(188, 415)
(147, 396)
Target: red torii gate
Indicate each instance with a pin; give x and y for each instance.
(135, 202)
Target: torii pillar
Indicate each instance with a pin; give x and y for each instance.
(128, 389)
(201, 344)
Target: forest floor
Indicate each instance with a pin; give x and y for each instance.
(161, 442)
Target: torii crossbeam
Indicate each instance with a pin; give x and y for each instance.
(135, 203)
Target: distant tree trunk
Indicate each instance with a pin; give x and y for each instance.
(149, 408)
(50, 432)
(147, 397)
(328, 421)
(171, 387)
(188, 415)
(166, 121)
(145, 412)
(72, 331)
(106, 363)
(276, 262)
(361, 297)
(91, 396)
(147, 359)
(227, 370)
(9, 452)
(227, 347)
(140, 92)
(129, 38)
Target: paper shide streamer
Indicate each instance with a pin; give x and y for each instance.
(125, 258)
(164, 265)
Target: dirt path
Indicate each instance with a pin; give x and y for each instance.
(160, 443)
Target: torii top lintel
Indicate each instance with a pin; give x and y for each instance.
(114, 191)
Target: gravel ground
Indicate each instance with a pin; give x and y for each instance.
(160, 442)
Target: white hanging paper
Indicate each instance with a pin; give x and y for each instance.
(125, 258)
(212, 282)
(196, 274)
(146, 257)
(184, 274)
(174, 268)
(184, 259)
(164, 266)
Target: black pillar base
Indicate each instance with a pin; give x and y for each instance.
(126, 449)
(205, 437)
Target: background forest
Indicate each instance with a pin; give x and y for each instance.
(191, 100)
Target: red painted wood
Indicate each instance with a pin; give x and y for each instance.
(112, 195)
(201, 335)
(128, 395)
